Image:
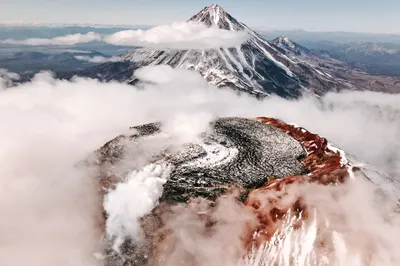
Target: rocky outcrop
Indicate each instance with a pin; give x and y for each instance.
(254, 162)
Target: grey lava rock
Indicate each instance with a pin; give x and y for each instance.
(234, 152)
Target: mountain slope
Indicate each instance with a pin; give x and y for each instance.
(257, 66)
(264, 163)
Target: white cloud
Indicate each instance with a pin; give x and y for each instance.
(164, 74)
(54, 207)
(178, 35)
(7, 78)
(50, 208)
(196, 240)
(184, 35)
(71, 39)
(98, 59)
(143, 187)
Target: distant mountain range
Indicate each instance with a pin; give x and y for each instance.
(303, 36)
(374, 58)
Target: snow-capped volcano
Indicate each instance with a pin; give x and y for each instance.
(256, 66)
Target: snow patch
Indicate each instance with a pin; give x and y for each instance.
(287, 70)
(217, 154)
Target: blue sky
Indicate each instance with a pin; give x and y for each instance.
(319, 15)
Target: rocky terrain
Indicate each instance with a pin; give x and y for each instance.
(255, 161)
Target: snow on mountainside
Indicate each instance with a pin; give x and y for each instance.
(256, 66)
(321, 65)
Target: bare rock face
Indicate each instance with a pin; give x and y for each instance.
(262, 159)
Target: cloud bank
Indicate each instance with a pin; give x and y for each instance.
(71, 39)
(98, 59)
(178, 35)
(123, 220)
(183, 35)
(54, 207)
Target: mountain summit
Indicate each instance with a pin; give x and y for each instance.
(290, 46)
(285, 41)
(256, 66)
(215, 15)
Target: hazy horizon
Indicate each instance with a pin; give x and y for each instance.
(143, 26)
(340, 16)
